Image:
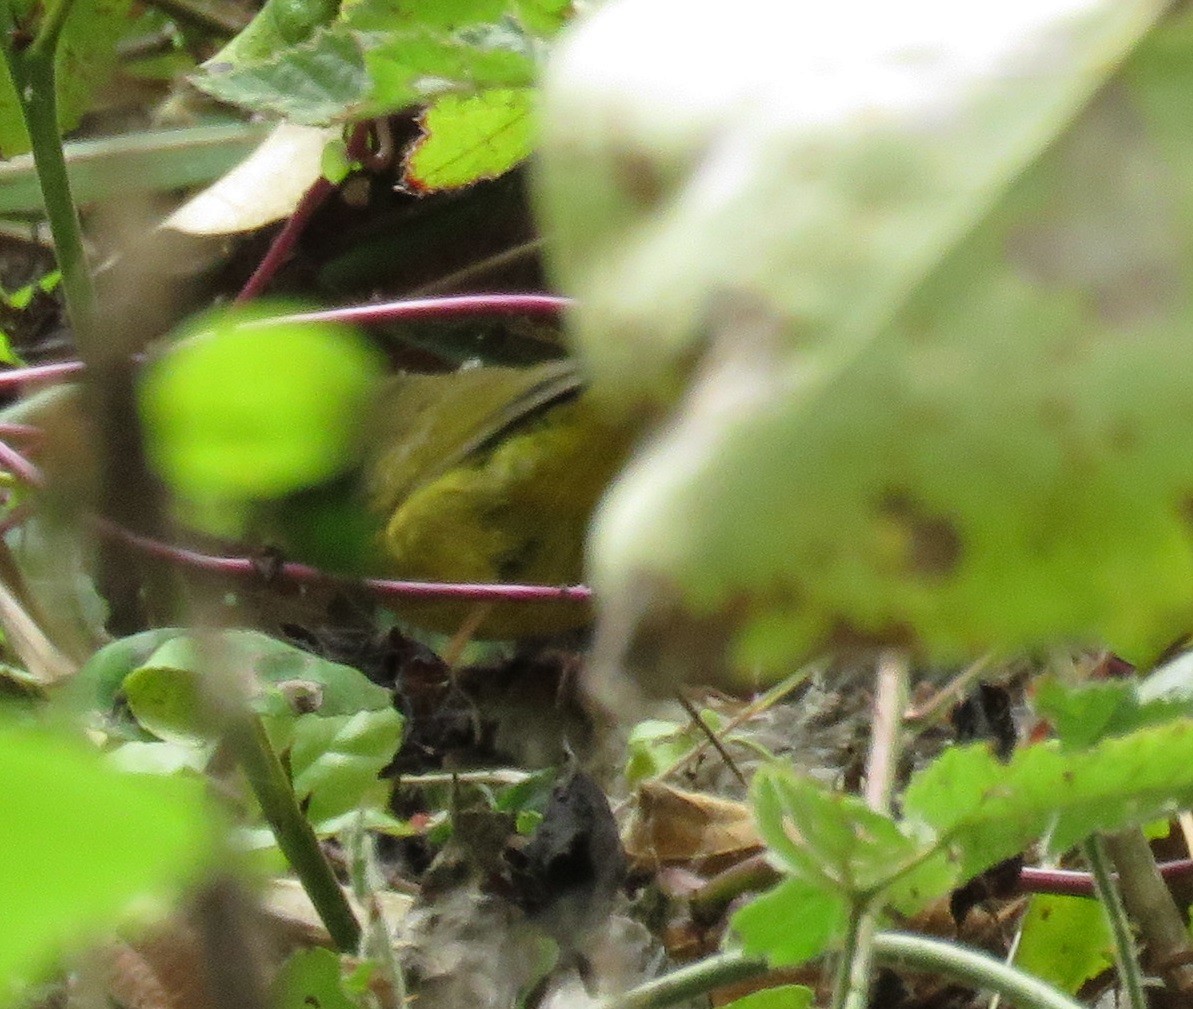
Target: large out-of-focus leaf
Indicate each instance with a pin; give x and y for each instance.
(934, 264)
(241, 410)
(81, 841)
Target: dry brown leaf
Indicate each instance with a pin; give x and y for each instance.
(671, 826)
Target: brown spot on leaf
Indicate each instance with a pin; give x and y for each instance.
(638, 178)
(933, 545)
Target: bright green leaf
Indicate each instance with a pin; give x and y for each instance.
(468, 139)
(169, 702)
(1081, 715)
(81, 841)
(335, 760)
(239, 410)
(791, 923)
(985, 810)
(1065, 941)
(782, 996)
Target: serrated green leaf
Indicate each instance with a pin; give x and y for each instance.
(82, 841)
(468, 139)
(792, 923)
(237, 411)
(278, 25)
(316, 83)
(84, 60)
(1065, 941)
(829, 838)
(335, 760)
(984, 810)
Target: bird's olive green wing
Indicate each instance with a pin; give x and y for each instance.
(425, 425)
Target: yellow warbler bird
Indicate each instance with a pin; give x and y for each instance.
(488, 474)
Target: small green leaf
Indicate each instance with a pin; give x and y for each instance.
(96, 686)
(791, 923)
(1065, 941)
(169, 702)
(468, 139)
(544, 17)
(241, 409)
(782, 996)
(311, 977)
(828, 837)
(335, 760)
(81, 841)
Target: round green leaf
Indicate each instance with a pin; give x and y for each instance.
(242, 409)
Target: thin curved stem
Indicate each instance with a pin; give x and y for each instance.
(1125, 954)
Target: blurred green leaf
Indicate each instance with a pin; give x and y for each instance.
(829, 837)
(81, 841)
(1083, 714)
(84, 61)
(163, 691)
(311, 977)
(239, 409)
(966, 343)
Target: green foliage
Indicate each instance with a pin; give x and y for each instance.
(963, 813)
(311, 977)
(957, 340)
(82, 841)
(791, 923)
(84, 61)
(466, 139)
(654, 745)
(473, 63)
(335, 760)
(783, 996)
(237, 411)
(1064, 941)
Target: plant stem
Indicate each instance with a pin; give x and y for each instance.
(294, 833)
(852, 984)
(893, 949)
(1151, 906)
(33, 72)
(1120, 927)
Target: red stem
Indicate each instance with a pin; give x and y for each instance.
(283, 244)
(431, 309)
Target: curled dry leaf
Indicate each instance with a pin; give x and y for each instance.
(671, 826)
